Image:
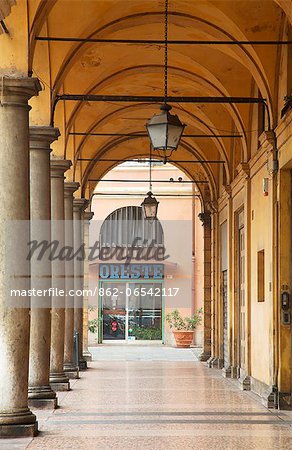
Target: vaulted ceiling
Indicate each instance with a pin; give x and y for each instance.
(137, 69)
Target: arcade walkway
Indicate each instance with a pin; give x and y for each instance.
(171, 402)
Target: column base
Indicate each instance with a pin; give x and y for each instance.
(18, 424)
(65, 386)
(234, 371)
(244, 383)
(41, 392)
(268, 393)
(269, 399)
(226, 372)
(59, 377)
(42, 397)
(284, 400)
(72, 374)
(59, 382)
(87, 355)
(15, 431)
(71, 371)
(216, 363)
(205, 356)
(43, 403)
(82, 364)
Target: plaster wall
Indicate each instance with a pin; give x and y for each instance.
(261, 312)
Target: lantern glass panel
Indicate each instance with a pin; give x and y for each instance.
(173, 136)
(150, 210)
(157, 133)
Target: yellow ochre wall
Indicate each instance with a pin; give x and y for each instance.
(261, 312)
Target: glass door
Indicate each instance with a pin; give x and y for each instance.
(131, 311)
(114, 311)
(144, 311)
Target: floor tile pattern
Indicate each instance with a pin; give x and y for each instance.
(156, 398)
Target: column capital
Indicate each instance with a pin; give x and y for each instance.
(59, 167)
(17, 91)
(88, 215)
(40, 138)
(79, 204)
(228, 189)
(205, 218)
(70, 187)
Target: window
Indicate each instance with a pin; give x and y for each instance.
(126, 227)
(261, 276)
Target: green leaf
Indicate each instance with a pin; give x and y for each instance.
(179, 323)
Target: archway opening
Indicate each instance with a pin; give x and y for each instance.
(146, 268)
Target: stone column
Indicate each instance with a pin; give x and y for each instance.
(40, 393)
(216, 360)
(206, 219)
(79, 205)
(226, 371)
(15, 417)
(70, 367)
(87, 216)
(58, 379)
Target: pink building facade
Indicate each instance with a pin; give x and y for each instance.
(130, 301)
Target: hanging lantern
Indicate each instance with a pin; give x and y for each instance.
(165, 130)
(150, 206)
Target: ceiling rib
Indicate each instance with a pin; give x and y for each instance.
(132, 194)
(160, 99)
(159, 41)
(152, 181)
(157, 98)
(170, 161)
(141, 134)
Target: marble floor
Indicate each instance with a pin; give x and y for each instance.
(136, 352)
(135, 401)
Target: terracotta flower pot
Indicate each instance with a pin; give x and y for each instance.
(183, 339)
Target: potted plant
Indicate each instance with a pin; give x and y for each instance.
(184, 327)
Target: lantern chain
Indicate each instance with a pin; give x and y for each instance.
(150, 169)
(166, 52)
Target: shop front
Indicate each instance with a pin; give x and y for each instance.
(131, 302)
